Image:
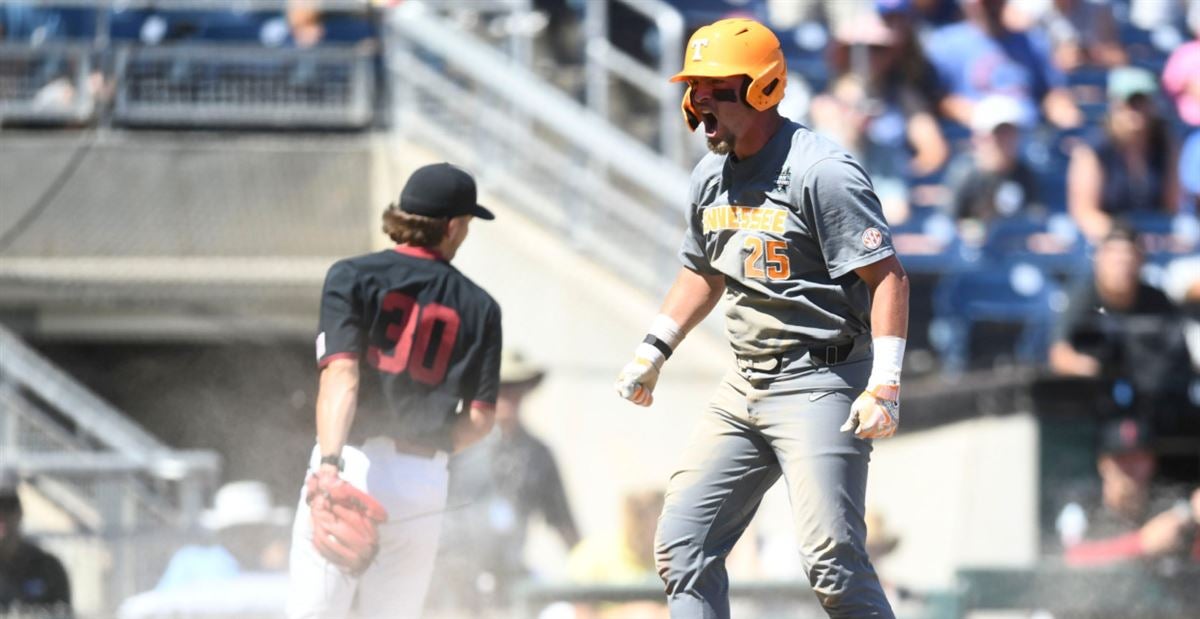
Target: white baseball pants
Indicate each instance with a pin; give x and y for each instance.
(413, 490)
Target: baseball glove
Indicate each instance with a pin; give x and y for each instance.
(345, 522)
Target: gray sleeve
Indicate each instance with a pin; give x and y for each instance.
(844, 215)
(691, 251)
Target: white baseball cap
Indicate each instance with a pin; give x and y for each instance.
(244, 502)
(995, 110)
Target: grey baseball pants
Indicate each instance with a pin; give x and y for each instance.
(758, 427)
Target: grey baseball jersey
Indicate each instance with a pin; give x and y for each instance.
(787, 227)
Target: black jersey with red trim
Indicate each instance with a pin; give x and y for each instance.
(427, 339)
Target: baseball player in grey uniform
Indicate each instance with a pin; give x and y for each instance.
(786, 227)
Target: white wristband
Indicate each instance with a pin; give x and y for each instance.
(889, 355)
(666, 329)
(660, 341)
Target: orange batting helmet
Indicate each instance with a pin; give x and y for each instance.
(736, 46)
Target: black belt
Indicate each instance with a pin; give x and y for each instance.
(829, 354)
(833, 353)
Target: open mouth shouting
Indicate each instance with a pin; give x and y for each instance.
(710, 124)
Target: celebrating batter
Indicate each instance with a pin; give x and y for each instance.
(786, 226)
(425, 342)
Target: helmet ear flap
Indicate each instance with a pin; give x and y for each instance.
(767, 88)
(689, 113)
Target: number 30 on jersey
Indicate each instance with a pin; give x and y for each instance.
(766, 260)
(413, 334)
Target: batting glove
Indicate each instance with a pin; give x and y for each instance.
(876, 412)
(637, 379)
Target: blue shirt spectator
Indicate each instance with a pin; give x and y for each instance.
(194, 564)
(247, 530)
(981, 57)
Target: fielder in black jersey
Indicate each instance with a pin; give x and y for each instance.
(409, 351)
(431, 334)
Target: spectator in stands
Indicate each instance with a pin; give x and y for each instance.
(1118, 328)
(880, 105)
(304, 19)
(623, 556)
(626, 554)
(992, 180)
(836, 14)
(1135, 519)
(906, 82)
(1181, 74)
(1131, 171)
(505, 482)
(1083, 32)
(981, 56)
(31, 580)
(312, 23)
(249, 535)
(239, 572)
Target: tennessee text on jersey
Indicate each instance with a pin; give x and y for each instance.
(729, 217)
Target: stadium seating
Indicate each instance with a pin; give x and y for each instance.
(1016, 297)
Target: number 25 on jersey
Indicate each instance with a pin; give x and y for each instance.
(771, 254)
(412, 333)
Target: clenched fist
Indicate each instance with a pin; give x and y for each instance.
(876, 412)
(636, 381)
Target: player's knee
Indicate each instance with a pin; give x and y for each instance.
(844, 582)
(678, 551)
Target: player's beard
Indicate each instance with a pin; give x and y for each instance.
(721, 145)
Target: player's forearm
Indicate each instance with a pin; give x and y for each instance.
(888, 284)
(472, 427)
(337, 398)
(889, 304)
(691, 298)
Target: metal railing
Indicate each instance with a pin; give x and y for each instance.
(219, 85)
(45, 84)
(605, 62)
(189, 80)
(104, 473)
(614, 198)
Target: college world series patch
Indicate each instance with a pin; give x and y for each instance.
(872, 238)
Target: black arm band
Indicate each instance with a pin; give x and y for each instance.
(659, 344)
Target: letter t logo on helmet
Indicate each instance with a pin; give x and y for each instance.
(733, 47)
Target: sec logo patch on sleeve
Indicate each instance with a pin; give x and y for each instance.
(872, 238)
